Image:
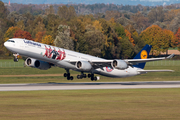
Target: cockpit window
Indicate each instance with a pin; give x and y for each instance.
(11, 41)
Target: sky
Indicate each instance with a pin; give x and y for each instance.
(118, 2)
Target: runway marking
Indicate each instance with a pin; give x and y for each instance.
(89, 86)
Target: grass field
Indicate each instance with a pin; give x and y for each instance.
(55, 74)
(133, 104)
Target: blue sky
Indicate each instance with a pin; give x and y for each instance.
(124, 2)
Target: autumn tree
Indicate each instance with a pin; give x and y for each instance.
(97, 25)
(10, 33)
(128, 34)
(156, 37)
(48, 39)
(39, 36)
(171, 38)
(178, 38)
(22, 34)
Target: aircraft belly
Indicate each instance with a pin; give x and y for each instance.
(117, 73)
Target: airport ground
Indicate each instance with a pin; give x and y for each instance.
(115, 104)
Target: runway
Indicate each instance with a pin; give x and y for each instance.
(88, 86)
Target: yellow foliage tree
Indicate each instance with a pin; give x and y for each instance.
(157, 37)
(128, 34)
(39, 36)
(173, 41)
(97, 25)
(48, 39)
(10, 33)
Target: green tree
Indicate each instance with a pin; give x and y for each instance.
(53, 22)
(126, 49)
(95, 42)
(38, 26)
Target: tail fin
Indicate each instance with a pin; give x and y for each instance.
(143, 54)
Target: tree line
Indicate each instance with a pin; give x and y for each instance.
(109, 35)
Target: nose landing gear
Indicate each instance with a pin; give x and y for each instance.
(16, 57)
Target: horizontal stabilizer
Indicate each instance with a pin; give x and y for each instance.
(136, 61)
(146, 71)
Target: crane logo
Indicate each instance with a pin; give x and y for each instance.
(109, 69)
(144, 54)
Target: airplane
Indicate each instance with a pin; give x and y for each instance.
(43, 56)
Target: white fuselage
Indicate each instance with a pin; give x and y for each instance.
(38, 51)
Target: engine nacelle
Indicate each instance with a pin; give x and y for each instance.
(83, 66)
(119, 64)
(37, 64)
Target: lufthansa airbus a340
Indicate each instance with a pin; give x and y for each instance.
(44, 56)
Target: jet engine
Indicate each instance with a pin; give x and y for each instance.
(119, 64)
(30, 62)
(83, 66)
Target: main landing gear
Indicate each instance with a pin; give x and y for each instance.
(92, 77)
(68, 75)
(89, 76)
(81, 76)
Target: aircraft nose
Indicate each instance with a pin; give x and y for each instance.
(5, 44)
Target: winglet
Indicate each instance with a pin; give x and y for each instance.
(169, 57)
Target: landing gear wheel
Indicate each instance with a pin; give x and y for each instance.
(95, 78)
(65, 74)
(15, 59)
(84, 75)
(79, 77)
(71, 78)
(89, 75)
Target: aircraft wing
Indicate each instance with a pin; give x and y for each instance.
(95, 63)
(107, 63)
